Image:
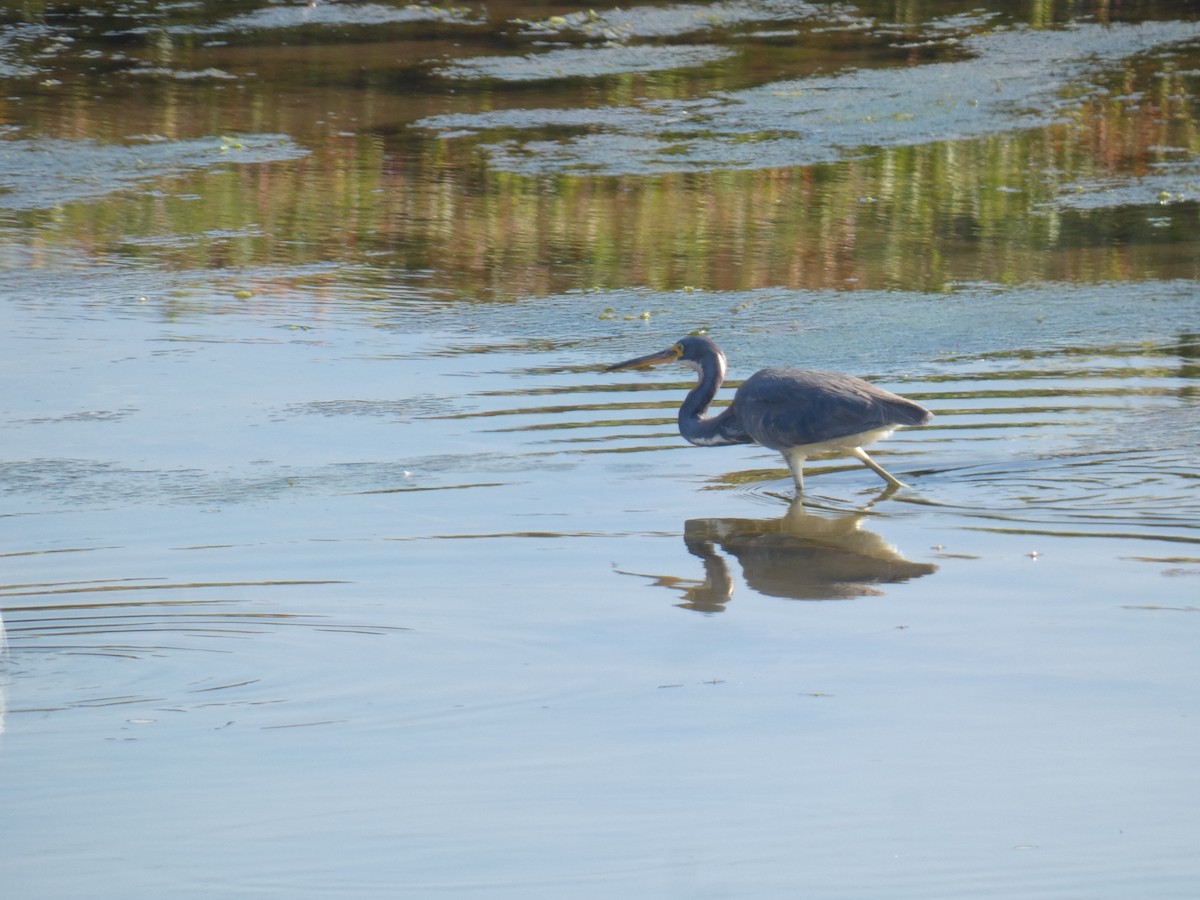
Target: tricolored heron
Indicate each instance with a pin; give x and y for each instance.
(799, 412)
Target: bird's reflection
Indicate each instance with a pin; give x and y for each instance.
(801, 556)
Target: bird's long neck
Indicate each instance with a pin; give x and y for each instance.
(692, 424)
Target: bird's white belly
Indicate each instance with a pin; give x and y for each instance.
(715, 440)
(841, 444)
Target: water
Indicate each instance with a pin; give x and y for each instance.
(335, 565)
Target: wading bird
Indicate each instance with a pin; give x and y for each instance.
(799, 412)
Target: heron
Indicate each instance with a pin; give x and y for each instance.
(798, 412)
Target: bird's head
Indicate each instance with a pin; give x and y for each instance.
(694, 351)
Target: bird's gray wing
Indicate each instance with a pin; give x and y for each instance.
(728, 428)
(781, 408)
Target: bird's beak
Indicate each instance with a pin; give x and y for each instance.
(670, 355)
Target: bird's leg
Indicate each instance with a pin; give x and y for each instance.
(795, 462)
(877, 468)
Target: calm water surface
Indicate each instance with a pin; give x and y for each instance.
(335, 565)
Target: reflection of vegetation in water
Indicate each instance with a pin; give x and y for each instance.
(923, 216)
(915, 217)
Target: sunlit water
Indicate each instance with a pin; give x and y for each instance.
(335, 565)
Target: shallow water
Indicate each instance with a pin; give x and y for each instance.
(335, 565)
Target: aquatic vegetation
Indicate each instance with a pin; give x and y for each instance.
(326, 15)
(1009, 80)
(38, 173)
(680, 19)
(585, 63)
